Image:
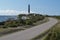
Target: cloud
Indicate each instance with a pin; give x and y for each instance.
(9, 12)
(12, 12)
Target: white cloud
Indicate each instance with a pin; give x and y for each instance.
(12, 12)
(9, 12)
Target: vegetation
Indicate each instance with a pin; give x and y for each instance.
(22, 19)
(51, 34)
(54, 33)
(30, 18)
(58, 17)
(55, 16)
(2, 23)
(11, 23)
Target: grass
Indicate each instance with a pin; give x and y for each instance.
(55, 33)
(37, 23)
(40, 36)
(8, 31)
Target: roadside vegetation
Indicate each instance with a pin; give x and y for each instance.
(54, 33)
(58, 17)
(22, 20)
(51, 34)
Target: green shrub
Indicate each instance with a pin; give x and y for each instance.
(11, 23)
(29, 22)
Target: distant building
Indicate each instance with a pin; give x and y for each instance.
(25, 17)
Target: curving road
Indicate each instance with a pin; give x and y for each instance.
(30, 33)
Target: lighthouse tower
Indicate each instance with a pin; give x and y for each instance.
(29, 8)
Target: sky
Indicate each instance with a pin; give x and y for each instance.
(15, 7)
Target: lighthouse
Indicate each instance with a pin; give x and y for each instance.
(29, 8)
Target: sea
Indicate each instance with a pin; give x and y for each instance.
(5, 18)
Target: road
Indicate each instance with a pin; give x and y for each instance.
(30, 33)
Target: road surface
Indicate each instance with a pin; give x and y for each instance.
(30, 33)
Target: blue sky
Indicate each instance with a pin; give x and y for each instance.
(14, 7)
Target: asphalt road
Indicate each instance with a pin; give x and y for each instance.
(30, 33)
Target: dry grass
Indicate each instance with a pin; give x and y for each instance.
(54, 33)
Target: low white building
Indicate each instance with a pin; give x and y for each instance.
(25, 17)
